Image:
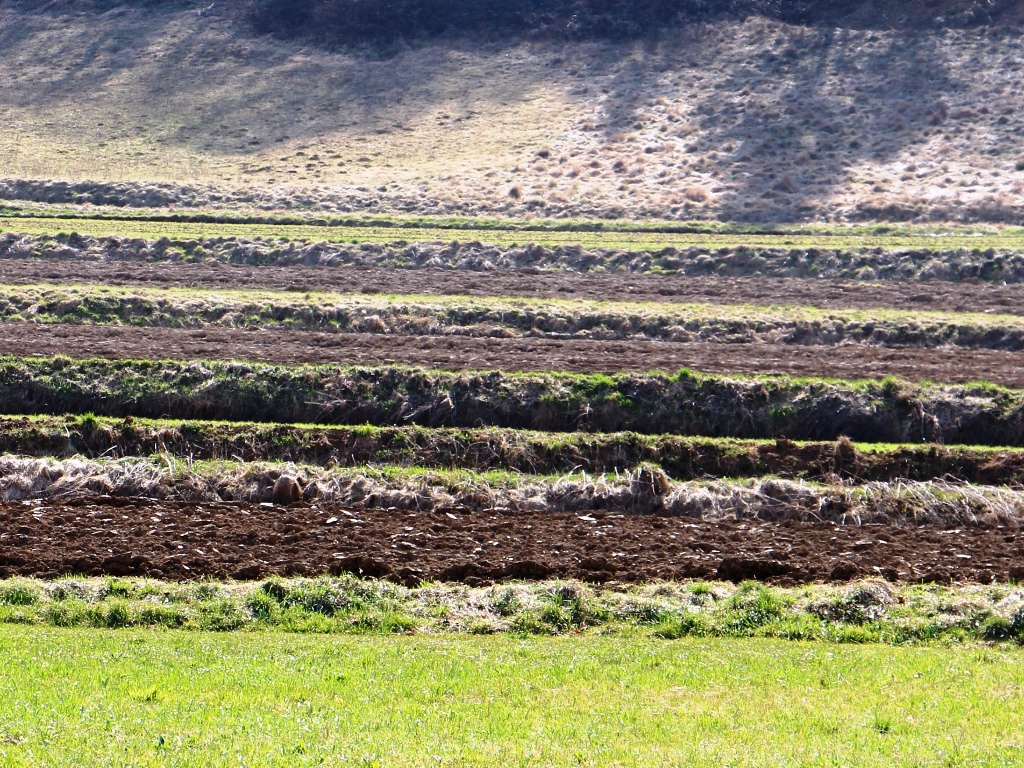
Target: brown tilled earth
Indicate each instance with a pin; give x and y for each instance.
(185, 541)
(467, 353)
(827, 294)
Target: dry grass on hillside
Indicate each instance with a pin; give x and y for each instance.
(751, 121)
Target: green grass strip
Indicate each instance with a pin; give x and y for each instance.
(157, 698)
(639, 239)
(24, 209)
(866, 611)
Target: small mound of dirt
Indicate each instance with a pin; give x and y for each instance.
(286, 490)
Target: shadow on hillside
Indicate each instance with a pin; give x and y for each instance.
(783, 119)
(204, 86)
(787, 122)
(791, 155)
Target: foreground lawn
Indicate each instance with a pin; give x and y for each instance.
(143, 697)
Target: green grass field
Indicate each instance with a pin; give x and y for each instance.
(639, 238)
(141, 698)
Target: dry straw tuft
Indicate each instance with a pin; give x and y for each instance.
(646, 490)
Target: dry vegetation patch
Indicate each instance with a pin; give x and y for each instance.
(933, 260)
(505, 450)
(749, 120)
(498, 318)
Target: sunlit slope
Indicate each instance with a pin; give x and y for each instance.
(753, 121)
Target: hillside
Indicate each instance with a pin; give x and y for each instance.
(857, 114)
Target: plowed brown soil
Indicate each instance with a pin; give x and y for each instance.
(464, 353)
(245, 541)
(835, 294)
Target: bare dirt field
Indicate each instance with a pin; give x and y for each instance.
(184, 541)
(826, 294)
(468, 353)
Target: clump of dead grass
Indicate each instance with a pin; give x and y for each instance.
(643, 492)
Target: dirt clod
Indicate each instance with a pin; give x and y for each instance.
(286, 490)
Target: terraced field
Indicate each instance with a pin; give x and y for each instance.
(227, 401)
(642, 340)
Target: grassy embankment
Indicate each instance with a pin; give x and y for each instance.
(867, 611)
(949, 258)
(507, 317)
(685, 403)
(549, 129)
(639, 236)
(213, 699)
(483, 450)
